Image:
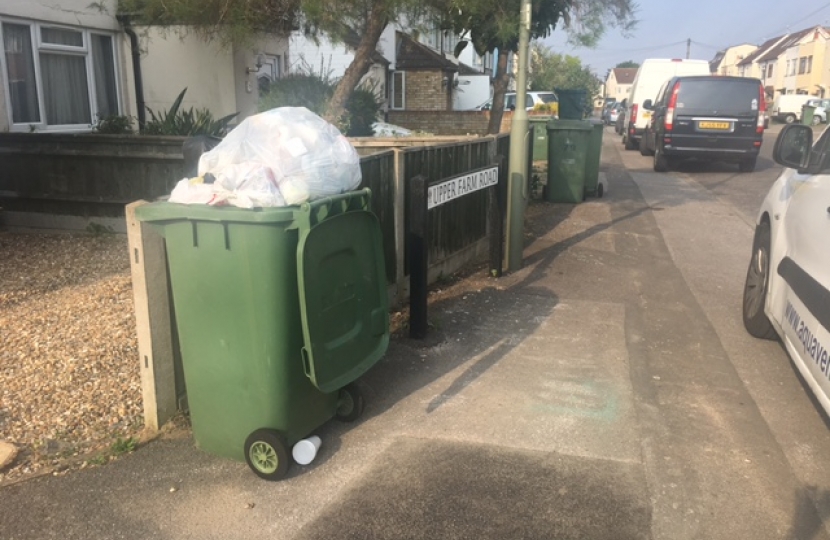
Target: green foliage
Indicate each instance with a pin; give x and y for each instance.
(313, 91)
(549, 70)
(186, 122)
(114, 124)
(299, 90)
(229, 21)
(362, 107)
(123, 446)
(628, 64)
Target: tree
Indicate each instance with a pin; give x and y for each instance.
(493, 25)
(549, 70)
(628, 64)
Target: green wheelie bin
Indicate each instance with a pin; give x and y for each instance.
(568, 142)
(592, 185)
(540, 136)
(278, 311)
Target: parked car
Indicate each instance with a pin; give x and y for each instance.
(619, 126)
(533, 99)
(787, 289)
(611, 113)
(709, 117)
(820, 112)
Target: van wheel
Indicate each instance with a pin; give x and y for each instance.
(661, 163)
(644, 149)
(790, 118)
(747, 165)
(757, 285)
(629, 143)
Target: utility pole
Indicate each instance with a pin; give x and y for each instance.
(517, 172)
(688, 48)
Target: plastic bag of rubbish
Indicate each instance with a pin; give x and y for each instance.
(289, 148)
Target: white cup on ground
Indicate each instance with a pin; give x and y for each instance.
(305, 450)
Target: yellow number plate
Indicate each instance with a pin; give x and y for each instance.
(713, 125)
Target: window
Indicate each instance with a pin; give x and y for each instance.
(802, 64)
(809, 64)
(397, 91)
(769, 70)
(58, 78)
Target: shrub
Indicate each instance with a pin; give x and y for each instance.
(363, 108)
(186, 123)
(298, 90)
(114, 124)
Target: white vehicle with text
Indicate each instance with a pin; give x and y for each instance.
(787, 290)
(650, 77)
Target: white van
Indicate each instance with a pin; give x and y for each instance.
(787, 108)
(650, 77)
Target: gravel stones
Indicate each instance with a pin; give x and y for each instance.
(69, 374)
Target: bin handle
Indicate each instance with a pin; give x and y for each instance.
(306, 362)
(311, 213)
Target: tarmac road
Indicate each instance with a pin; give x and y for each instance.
(605, 391)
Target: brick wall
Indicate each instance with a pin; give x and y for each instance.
(424, 91)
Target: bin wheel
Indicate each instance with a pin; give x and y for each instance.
(266, 453)
(600, 190)
(349, 404)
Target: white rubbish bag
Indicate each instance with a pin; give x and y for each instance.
(285, 156)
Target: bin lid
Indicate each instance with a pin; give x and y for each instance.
(166, 211)
(343, 298)
(569, 125)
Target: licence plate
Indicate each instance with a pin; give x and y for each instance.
(713, 125)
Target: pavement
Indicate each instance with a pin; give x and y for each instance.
(604, 391)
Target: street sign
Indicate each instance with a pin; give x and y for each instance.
(459, 186)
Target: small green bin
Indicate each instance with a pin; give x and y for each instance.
(540, 136)
(278, 310)
(592, 185)
(568, 149)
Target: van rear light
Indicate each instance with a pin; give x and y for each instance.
(672, 106)
(762, 111)
(633, 119)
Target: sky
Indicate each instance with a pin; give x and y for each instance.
(665, 26)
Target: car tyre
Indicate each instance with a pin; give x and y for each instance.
(629, 143)
(747, 165)
(661, 162)
(816, 120)
(790, 118)
(756, 286)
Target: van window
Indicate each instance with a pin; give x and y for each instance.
(733, 96)
(547, 98)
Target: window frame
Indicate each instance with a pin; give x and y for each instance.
(392, 89)
(39, 46)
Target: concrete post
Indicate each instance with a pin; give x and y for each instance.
(148, 264)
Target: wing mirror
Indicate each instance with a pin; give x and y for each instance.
(793, 148)
(648, 105)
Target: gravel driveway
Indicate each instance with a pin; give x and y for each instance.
(69, 375)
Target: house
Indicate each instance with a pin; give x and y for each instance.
(618, 84)
(726, 61)
(69, 63)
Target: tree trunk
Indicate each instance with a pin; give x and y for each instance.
(335, 113)
(499, 89)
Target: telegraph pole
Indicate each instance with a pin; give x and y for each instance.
(688, 48)
(517, 172)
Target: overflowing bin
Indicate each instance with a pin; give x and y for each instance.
(279, 310)
(568, 143)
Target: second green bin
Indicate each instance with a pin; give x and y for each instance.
(568, 142)
(278, 310)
